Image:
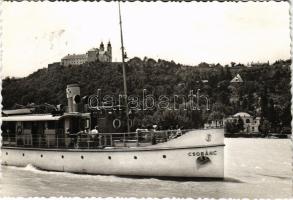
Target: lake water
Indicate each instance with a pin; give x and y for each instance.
(254, 168)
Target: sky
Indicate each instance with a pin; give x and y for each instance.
(36, 34)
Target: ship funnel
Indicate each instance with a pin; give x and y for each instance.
(73, 97)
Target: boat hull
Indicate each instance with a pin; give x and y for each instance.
(181, 162)
(194, 154)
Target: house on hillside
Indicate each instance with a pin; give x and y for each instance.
(250, 123)
(234, 86)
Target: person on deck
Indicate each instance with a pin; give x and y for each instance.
(73, 138)
(94, 132)
(153, 135)
(178, 131)
(95, 135)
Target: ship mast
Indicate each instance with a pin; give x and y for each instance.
(124, 72)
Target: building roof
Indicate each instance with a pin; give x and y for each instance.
(242, 114)
(75, 56)
(237, 79)
(93, 49)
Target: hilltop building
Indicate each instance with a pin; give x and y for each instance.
(74, 59)
(95, 54)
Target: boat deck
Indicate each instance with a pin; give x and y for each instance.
(118, 141)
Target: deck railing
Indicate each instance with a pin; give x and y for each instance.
(88, 140)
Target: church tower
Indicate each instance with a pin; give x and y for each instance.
(109, 52)
(102, 47)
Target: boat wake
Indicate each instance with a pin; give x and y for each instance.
(276, 176)
(119, 179)
(107, 178)
(31, 168)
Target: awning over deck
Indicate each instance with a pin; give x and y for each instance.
(18, 111)
(22, 118)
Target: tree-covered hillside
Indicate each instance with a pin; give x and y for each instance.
(265, 90)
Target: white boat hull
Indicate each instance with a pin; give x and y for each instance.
(164, 159)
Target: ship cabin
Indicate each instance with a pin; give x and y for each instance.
(44, 130)
(72, 131)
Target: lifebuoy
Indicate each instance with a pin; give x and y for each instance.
(19, 130)
(116, 123)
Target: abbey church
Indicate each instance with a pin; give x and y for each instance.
(95, 54)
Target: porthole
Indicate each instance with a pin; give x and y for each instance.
(62, 156)
(23, 154)
(41, 155)
(81, 157)
(164, 156)
(109, 157)
(6, 153)
(135, 157)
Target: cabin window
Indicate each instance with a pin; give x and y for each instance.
(61, 124)
(51, 124)
(27, 125)
(8, 131)
(74, 124)
(8, 128)
(12, 127)
(87, 123)
(4, 127)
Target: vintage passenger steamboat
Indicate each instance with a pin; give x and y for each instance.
(65, 140)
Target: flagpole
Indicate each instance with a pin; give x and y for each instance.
(124, 72)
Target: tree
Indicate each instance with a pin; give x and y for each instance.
(264, 126)
(231, 127)
(264, 103)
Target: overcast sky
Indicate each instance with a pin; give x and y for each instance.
(38, 33)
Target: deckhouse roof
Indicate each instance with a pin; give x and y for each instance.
(38, 117)
(20, 111)
(42, 117)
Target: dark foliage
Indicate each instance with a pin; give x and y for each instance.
(265, 91)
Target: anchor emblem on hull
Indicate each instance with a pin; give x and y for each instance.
(209, 137)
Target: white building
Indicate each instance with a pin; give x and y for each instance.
(92, 55)
(74, 59)
(250, 123)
